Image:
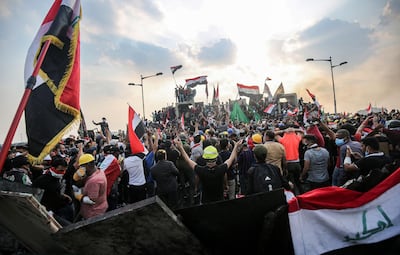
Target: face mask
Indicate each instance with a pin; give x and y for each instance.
(80, 174)
(339, 141)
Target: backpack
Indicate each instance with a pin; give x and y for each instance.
(265, 177)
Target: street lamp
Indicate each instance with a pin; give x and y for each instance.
(333, 82)
(141, 85)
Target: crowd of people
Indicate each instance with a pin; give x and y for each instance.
(214, 158)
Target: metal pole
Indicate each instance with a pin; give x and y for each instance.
(24, 100)
(144, 115)
(141, 84)
(333, 86)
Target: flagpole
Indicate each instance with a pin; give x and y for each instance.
(173, 75)
(24, 100)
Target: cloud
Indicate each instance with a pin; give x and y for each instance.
(5, 12)
(371, 70)
(121, 19)
(390, 12)
(223, 52)
(337, 38)
(144, 55)
(149, 8)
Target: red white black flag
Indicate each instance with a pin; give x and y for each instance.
(247, 91)
(335, 218)
(54, 104)
(193, 82)
(369, 109)
(175, 68)
(270, 108)
(136, 131)
(314, 98)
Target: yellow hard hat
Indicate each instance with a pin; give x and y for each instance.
(210, 152)
(85, 158)
(257, 138)
(202, 137)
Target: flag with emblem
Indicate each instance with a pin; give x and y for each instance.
(333, 219)
(53, 107)
(248, 90)
(193, 82)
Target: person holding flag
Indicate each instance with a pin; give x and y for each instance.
(134, 164)
(177, 89)
(267, 90)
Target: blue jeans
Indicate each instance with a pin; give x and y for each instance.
(338, 176)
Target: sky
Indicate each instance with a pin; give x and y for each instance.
(229, 41)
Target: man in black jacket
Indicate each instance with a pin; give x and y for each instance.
(263, 176)
(54, 198)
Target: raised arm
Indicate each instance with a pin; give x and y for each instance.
(179, 146)
(362, 126)
(232, 158)
(329, 131)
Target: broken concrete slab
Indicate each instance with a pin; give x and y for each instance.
(146, 227)
(6, 185)
(29, 222)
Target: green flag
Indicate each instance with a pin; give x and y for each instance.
(238, 114)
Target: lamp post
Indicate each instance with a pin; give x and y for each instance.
(333, 82)
(141, 85)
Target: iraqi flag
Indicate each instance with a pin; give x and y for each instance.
(314, 98)
(136, 131)
(193, 82)
(333, 218)
(111, 169)
(247, 91)
(175, 68)
(54, 104)
(369, 109)
(293, 112)
(270, 108)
